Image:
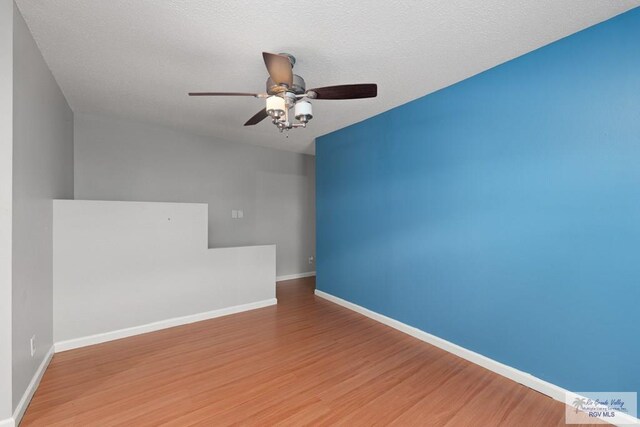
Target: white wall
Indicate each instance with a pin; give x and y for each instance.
(116, 159)
(42, 171)
(6, 180)
(120, 265)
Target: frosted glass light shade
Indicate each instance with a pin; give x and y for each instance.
(304, 111)
(275, 106)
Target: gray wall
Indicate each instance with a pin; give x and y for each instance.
(120, 268)
(42, 171)
(6, 179)
(117, 159)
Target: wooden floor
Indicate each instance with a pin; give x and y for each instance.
(304, 361)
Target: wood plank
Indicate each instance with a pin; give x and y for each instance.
(304, 361)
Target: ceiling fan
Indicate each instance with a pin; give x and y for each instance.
(286, 90)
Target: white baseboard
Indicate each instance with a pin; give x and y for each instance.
(295, 276)
(7, 422)
(155, 326)
(29, 392)
(544, 387)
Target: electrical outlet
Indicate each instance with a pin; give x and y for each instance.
(234, 214)
(33, 345)
(310, 260)
(240, 214)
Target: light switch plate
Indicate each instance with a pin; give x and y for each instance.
(240, 214)
(234, 214)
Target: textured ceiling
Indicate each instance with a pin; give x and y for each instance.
(139, 58)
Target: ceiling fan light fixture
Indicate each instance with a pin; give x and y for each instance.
(303, 111)
(285, 91)
(276, 106)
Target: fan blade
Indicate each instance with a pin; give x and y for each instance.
(367, 90)
(257, 118)
(279, 68)
(222, 94)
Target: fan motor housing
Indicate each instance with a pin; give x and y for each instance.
(298, 87)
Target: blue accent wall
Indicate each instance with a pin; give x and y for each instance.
(502, 213)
